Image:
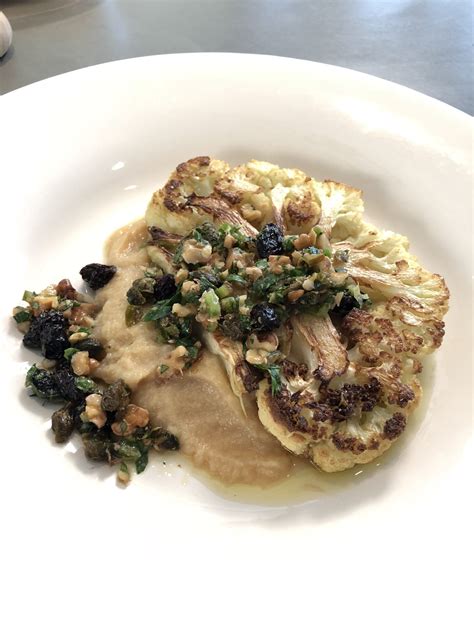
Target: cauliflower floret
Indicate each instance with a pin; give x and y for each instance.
(339, 204)
(189, 199)
(249, 196)
(384, 269)
(267, 193)
(336, 425)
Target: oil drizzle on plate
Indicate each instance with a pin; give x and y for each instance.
(306, 483)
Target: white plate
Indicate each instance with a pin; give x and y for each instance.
(80, 155)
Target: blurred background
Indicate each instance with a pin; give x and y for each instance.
(422, 44)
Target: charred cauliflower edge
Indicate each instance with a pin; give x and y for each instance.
(348, 383)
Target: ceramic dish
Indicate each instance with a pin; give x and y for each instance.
(81, 154)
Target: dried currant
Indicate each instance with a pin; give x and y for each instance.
(54, 341)
(270, 241)
(264, 317)
(50, 318)
(66, 385)
(92, 346)
(346, 304)
(96, 275)
(165, 287)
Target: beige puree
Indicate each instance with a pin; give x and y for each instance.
(199, 406)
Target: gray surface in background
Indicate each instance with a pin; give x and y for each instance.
(422, 44)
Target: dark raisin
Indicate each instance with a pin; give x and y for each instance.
(116, 397)
(347, 304)
(62, 424)
(50, 318)
(32, 337)
(92, 346)
(54, 341)
(270, 241)
(264, 317)
(165, 287)
(96, 275)
(42, 383)
(66, 385)
(164, 440)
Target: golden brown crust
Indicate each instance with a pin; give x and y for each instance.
(300, 213)
(199, 161)
(249, 376)
(394, 426)
(348, 444)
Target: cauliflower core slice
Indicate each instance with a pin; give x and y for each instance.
(240, 374)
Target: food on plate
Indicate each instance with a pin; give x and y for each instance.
(252, 318)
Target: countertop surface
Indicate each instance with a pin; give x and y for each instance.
(423, 44)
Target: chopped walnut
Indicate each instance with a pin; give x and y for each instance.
(194, 252)
(184, 310)
(308, 284)
(83, 315)
(325, 265)
(181, 275)
(48, 364)
(135, 417)
(253, 273)
(45, 303)
(305, 240)
(177, 359)
(93, 410)
(276, 263)
(244, 310)
(82, 364)
(256, 356)
(77, 336)
(323, 242)
(229, 241)
(189, 287)
(237, 257)
(295, 295)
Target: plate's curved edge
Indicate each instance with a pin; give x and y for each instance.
(424, 99)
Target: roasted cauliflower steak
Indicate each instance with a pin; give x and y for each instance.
(348, 382)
